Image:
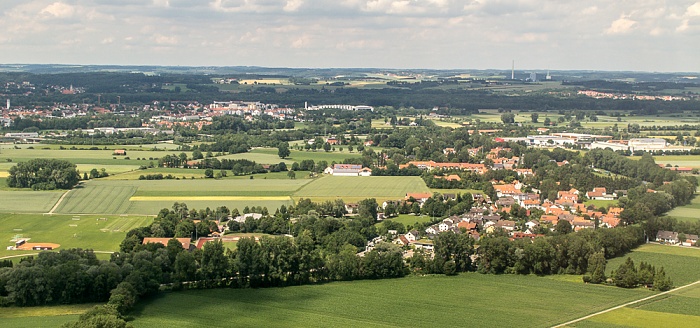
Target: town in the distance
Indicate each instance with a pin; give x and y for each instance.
(127, 192)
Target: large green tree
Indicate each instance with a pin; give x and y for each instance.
(43, 174)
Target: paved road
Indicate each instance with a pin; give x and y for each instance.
(626, 304)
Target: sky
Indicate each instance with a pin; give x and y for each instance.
(637, 35)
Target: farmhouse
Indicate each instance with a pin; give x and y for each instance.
(599, 194)
(164, 241)
(119, 152)
(348, 170)
(668, 237)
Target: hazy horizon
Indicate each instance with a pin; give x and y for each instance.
(642, 36)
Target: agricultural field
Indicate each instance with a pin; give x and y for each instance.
(680, 263)
(354, 189)
(269, 155)
(90, 158)
(690, 212)
(100, 233)
(27, 201)
(148, 197)
(39, 317)
(474, 300)
(676, 309)
(680, 160)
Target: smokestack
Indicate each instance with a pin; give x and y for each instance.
(512, 71)
(8, 103)
(306, 105)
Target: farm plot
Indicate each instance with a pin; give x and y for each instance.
(269, 155)
(680, 263)
(98, 199)
(353, 189)
(690, 212)
(676, 309)
(503, 300)
(148, 197)
(101, 233)
(28, 201)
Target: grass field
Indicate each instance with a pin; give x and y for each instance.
(690, 212)
(600, 203)
(28, 201)
(353, 189)
(103, 196)
(88, 158)
(67, 230)
(677, 309)
(269, 155)
(411, 220)
(472, 299)
(680, 263)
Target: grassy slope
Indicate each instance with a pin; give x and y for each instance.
(432, 301)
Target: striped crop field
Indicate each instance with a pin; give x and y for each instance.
(97, 199)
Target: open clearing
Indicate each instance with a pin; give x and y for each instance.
(353, 189)
(474, 300)
(70, 231)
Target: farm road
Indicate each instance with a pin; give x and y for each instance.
(59, 202)
(626, 304)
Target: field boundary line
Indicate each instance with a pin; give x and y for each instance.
(625, 304)
(55, 206)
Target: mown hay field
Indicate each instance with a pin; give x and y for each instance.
(100, 233)
(473, 300)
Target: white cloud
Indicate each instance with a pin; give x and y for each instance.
(621, 25)
(293, 5)
(165, 40)
(59, 10)
(693, 10)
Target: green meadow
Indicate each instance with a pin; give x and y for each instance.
(677, 309)
(473, 300)
(680, 263)
(690, 212)
(269, 155)
(100, 233)
(353, 189)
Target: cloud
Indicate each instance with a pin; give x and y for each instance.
(59, 10)
(621, 25)
(391, 33)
